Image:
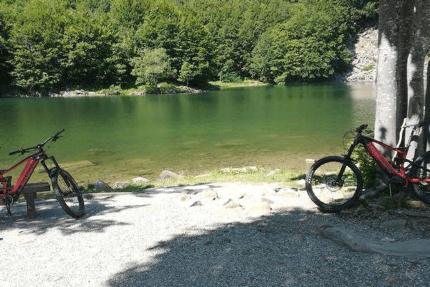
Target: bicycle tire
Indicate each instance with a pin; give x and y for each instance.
(421, 190)
(67, 193)
(325, 193)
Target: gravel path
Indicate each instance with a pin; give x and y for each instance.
(156, 238)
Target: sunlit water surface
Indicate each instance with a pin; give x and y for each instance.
(121, 137)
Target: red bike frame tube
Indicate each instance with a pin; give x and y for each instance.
(385, 165)
(380, 158)
(31, 163)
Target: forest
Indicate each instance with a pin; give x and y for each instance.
(49, 45)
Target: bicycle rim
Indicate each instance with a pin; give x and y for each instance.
(331, 194)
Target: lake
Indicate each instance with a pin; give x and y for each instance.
(120, 137)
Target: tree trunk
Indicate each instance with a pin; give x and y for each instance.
(426, 133)
(415, 75)
(387, 78)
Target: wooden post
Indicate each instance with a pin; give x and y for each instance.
(30, 193)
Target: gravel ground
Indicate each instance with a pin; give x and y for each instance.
(156, 239)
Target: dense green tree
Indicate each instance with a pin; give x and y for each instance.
(48, 44)
(36, 44)
(311, 46)
(4, 50)
(152, 67)
(87, 47)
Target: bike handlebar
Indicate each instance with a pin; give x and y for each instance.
(39, 146)
(361, 128)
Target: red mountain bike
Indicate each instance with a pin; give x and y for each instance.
(65, 188)
(335, 182)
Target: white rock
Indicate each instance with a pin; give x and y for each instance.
(140, 180)
(208, 193)
(102, 186)
(121, 184)
(167, 174)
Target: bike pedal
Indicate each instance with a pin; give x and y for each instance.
(397, 180)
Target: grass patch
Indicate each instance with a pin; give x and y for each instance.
(367, 68)
(246, 83)
(258, 175)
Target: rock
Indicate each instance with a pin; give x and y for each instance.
(197, 203)
(302, 183)
(231, 204)
(121, 184)
(184, 197)
(408, 249)
(167, 174)
(138, 93)
(252, 168)
(267, 200)
(416, 204)
(244, 169)
(273, 172)
(140, 180)
(101, 186)
(208, 193)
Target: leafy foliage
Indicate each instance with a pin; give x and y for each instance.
(152, 67)
(311, 46)
(55, 44)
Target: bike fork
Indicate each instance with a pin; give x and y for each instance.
(346, 159)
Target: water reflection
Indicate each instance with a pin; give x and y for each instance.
(277, 127)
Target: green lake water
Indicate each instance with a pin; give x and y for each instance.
(117, 138)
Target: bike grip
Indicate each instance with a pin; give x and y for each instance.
(361, 128)
(15, 152)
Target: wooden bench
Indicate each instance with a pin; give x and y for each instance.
(30, 193)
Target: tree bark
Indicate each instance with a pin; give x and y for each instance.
(387, 78)
(426, 133)
(415, 72)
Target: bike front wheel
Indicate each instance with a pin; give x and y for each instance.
(67, 193)
(327, 190)
(422, 189)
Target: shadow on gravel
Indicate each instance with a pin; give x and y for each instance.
(49, 215)
(190, 189)
(278, 250)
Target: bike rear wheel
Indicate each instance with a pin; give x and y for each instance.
(422, 189)
(67, 193)
(329, 193)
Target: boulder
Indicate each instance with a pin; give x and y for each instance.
(101, 186)
(167, 174)
(410, 249)
(121, 184)
(208, 193)
(140, 180)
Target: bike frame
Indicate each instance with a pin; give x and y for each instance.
(30, 165)
(388, 168)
